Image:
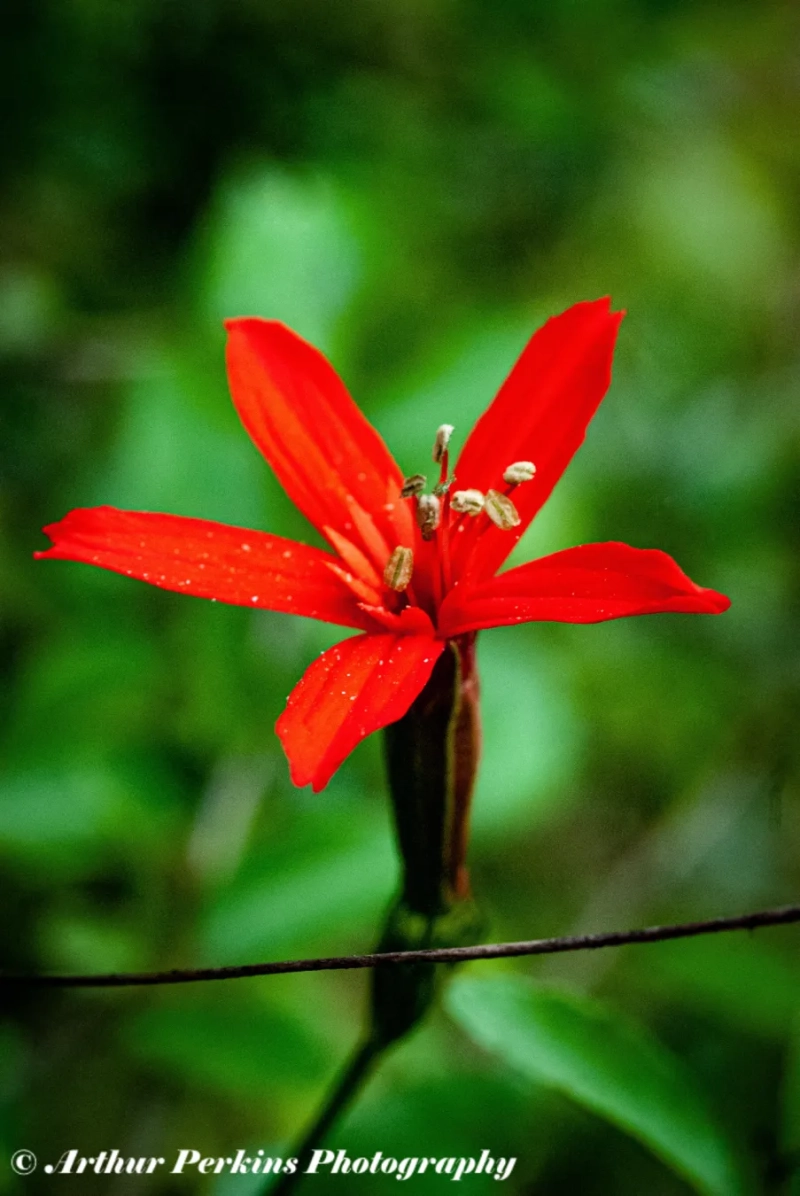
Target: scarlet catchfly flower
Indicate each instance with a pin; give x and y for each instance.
(412, 565)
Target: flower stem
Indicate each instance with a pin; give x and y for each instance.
(431, 755)
(344, 1090)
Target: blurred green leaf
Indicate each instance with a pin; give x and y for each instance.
(531, 743)
(68, 815)
(741, 979)
(305, 899)
(229, 1045)
(604, 1063)
(180, 447)
(403, 1119)
(31, 309)
(90, 943)
(279, 246)
(707, 210)
(790, 1096)
(61, 686)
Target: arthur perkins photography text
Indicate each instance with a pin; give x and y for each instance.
(330, 1162)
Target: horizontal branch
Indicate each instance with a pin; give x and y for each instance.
(782, 916)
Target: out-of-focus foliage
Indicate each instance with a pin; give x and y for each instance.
(414, 187)
(576, 1047)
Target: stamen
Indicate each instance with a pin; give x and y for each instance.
(413, 485)
(520, 471)
(399, 568)
(428, 514)
(469, 502)
(441, 442)
(501, 511)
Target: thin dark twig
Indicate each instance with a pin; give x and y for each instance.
(572, 942)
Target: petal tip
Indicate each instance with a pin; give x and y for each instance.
(299, 772)
(717, 603)
(234, 324)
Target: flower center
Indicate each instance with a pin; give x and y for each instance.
(445, 510)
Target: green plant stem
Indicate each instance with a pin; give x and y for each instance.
(431, 755)
(339, 1098)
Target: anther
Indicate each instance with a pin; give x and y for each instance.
(413, 485)
(520, 471)
(441, 442)
(501, 511)
(428, 514)
(469, 502)
(399, 568)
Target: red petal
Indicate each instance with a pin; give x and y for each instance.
(412, 620)
(580, 585)
(354, 688)
(540, 414)
(209, 560)
(324, 452)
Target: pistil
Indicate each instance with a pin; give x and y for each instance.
(441, 454)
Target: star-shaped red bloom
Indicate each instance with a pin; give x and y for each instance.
(337, 469)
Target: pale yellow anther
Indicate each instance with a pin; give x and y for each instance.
(501, 511)
(413, 485)
(469, 502)
(441, 442)
(399, 568)
(429, 511)
(520, 471)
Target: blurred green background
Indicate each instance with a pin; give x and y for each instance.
(414, 186)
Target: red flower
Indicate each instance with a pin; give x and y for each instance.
(339, 472)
